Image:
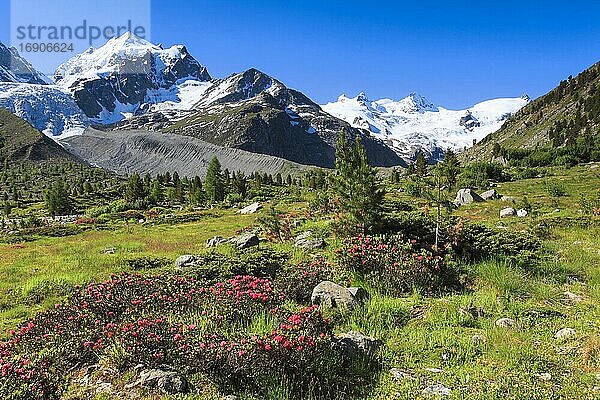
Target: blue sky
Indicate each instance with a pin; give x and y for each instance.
(456, 53)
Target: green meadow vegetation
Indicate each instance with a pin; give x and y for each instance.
(465, 304)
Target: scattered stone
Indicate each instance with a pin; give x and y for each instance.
(354, 343)
(437, 390)
(185, 261)
(110, 250)
(246, 241)
(545, 376)
(565, 333)
(401, 375)
(478, 339)
(473, 312)
(557, 210)
(506, 323)
(231, 397)
(216, 241)
(489, 195)
(522, 213)
(307, 242)
(572, 297)
(595, 166)
(508, 212)
(467, 196)
(104, 387)
(434, 370)
(142, 221)
(251, 209)
(508, 199)
(169, 382)
(331, 295)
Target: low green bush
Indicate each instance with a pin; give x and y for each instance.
(396, 266)
(297, 281)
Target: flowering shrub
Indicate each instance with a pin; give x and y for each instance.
(85, 221)
(179, 321)
(298, 281)
(395, 266)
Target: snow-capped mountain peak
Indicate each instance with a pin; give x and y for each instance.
(413, 103)
(415, 124)
(129, 75)
(362, 98)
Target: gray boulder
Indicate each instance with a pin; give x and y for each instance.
(251, 209)
(331, 295)
(437, 390)
(246, 241)
(508, 199)
(355, 343)
(565, 333)
(169, 382)
(467, 196)
(489, 195)
(506, 323)
(508, 212)
(186, 261)
(307, 242)
(216, 241)
(522, 213)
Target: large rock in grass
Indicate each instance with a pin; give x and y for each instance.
(331, 295)
(246, 241)
(565, 333)
(307, 242)
(437, 390)
(353, 344)
(506, 323)
(467, 196)
(522, 213)
(508, 212)
(186, 261)
(489, 195)
(251, 209)
(216, 241)
(169, 382)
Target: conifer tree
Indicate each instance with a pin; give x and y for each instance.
(356, 191)
(449, 168)
(421, 167)
(135, 189)
(214, 184)
(58, 200)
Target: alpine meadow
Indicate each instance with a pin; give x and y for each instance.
(167, 234)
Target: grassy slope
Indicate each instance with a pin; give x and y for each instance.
(419, 332)
(528, 128)
(19, 141)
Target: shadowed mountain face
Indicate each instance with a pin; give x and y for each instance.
(14, 68)
(20, 142)
(254, 112)
(116, 78)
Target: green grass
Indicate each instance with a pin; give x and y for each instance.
(419, 332)
(78, 259)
